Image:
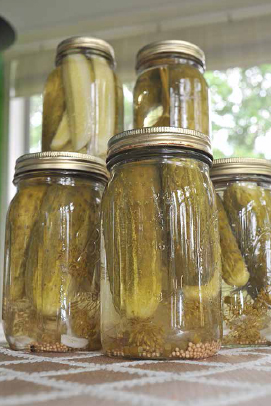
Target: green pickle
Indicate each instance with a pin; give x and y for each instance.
(172, 95)
(184, 185)
(245, 236)
(152, 269)
(234, 269)
(80, 92)
(53, 109)
(21, 219)
(250, 218)
(135, 280)
(134, 270)
(56, 271)
(190, 217)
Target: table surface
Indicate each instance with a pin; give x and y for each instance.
(233, 377)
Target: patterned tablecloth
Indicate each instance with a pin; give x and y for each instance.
(234, 377)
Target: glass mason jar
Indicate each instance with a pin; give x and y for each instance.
(170, 88)
(243, 187)
(83, 98)
(160, 284)
(51, 298)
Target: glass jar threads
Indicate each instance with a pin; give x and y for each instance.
(160, 289)
(243, 187)
(83, 98)
(51, 298)
(170, 88)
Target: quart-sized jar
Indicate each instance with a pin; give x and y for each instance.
(243, 187)
(51, 299)
(170, 88)
(83, 98)
(161, 286)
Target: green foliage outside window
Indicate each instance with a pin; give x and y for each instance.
(241, 111)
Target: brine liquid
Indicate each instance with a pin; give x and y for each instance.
(83, 106)
(160, 292)
(52, 274)
(172, 95)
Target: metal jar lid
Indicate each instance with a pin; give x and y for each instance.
(61, 161)
(149, 137)
(98, 46)
(176, 47)
(232, 167)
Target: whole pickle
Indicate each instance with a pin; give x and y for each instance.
(64, 248)
(134, 244)
(23, 213)
(193, 245)
(250, 218)
(204, 292)
(234, 269)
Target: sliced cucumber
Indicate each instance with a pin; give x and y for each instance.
(62, 136)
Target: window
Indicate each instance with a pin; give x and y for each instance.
(128, 105)
(241, 111)
(35, 125)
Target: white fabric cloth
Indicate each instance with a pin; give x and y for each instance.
(233, 377)
(2, 336)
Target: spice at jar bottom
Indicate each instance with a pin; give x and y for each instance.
(247, 321)
(192, 351)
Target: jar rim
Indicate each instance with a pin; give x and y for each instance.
(230, 167)
(57, 161)
(96, 45)
(148, 137)
(163, 48)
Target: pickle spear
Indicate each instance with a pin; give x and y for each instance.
(62, 136)
(78, 83)
(173, 95)
(234, 269)
(133, 245)
(160, 115)
(105, 94)
(53, 108)
(148, 104)
(22, 217)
